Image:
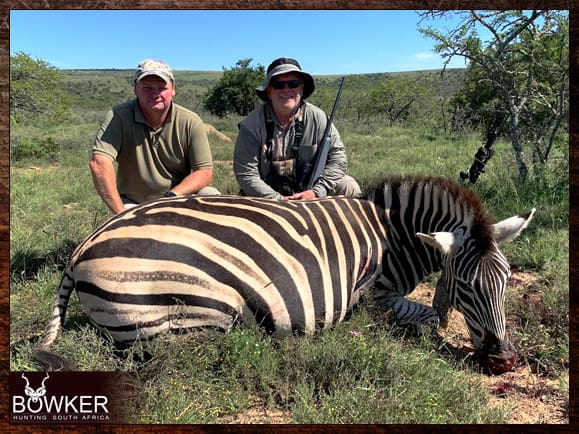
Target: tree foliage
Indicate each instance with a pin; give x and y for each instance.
(394, 98)
(235, 91)
(519, 73)
(367, 98)
(36, 92)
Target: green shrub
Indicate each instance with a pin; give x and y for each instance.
(35, 148)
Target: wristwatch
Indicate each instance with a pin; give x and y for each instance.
(169, 194)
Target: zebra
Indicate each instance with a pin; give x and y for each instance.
(176, 264)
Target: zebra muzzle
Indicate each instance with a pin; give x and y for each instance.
(497, 359)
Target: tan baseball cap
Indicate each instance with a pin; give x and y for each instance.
(154, 67)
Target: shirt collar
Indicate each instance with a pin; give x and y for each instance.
(140, 117)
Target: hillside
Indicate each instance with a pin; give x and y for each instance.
(102, 88)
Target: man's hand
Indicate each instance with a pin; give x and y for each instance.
(304, 195)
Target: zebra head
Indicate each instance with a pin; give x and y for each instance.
(475, 280)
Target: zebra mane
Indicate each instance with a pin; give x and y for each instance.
(481, 229)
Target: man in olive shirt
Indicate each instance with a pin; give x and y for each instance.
(161, 148)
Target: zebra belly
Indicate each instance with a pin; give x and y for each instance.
(134, 305)
(286, 267)
(127, 322)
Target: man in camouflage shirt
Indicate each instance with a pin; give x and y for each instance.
(269, 161)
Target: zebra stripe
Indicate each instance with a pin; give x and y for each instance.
(479, 294)
(424, 206)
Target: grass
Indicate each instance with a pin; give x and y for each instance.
(403, 151)
(360, 372)
(338, 376)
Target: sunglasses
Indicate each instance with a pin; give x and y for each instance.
(280, 84)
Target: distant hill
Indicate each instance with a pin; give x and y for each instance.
(185, 76)
(100, 89)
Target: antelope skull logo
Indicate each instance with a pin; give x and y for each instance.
(35, 394)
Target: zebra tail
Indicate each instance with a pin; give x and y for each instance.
(41, 353)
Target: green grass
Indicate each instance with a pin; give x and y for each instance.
(337, 376)
(375, 375)
(402, 151)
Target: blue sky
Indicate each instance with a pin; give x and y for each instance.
(323, 41)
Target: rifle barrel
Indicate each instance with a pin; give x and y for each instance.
(322, 153)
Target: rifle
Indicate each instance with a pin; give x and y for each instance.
(484, 153)
(323, 149)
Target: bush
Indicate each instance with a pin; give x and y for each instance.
(35, 148)
(36, 91)
(235, 91)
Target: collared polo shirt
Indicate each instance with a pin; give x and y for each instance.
(152, 161)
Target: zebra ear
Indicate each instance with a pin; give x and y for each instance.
(443, 241)
(508, 229)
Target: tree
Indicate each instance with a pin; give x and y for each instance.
(520, 73)
(235, 91)
(394, 98)
(36, 91)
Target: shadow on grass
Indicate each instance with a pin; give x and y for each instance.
(459, 356)
(25, 265)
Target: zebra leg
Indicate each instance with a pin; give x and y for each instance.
(441, 302)
(409, 312)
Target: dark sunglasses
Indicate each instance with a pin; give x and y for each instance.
(280, 84)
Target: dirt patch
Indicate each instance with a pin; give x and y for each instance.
(261, 414)
(536, 400)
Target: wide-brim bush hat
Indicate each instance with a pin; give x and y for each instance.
(283, 65)
(154, 67)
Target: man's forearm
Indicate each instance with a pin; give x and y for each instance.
(104, 180)
(194, 182)
(109, 195)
